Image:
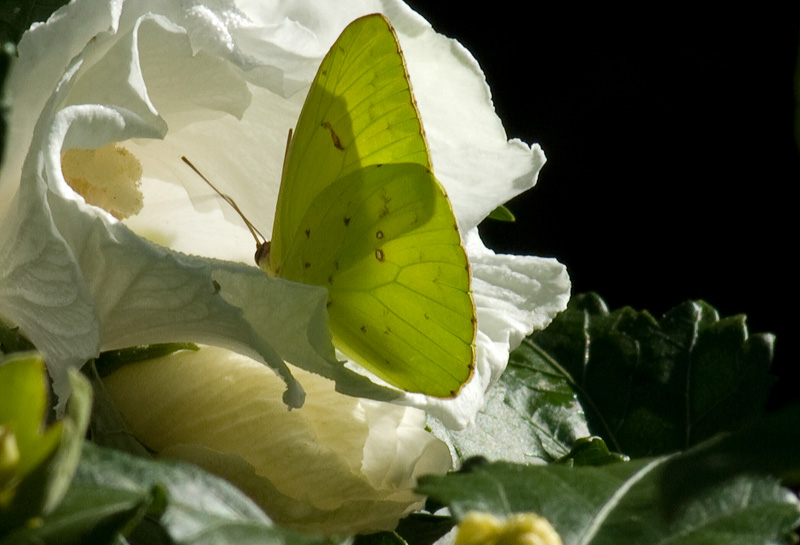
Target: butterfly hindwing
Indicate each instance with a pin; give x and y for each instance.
(383, 240)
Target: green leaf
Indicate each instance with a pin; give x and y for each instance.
(156, 502)
(501, 213)
(531, 415)
(11, 340)
(37, 480)
(620, 503)
(423, 528)
(75, 425)
(23, 399)
(93, 515)
(591, 451)
(656, 386)
(768, 446)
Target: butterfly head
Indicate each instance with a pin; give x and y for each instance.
(262, 258)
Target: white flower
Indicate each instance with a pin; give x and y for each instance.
(339, 465)
(222, 82)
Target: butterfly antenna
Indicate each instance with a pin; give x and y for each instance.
(253, 230)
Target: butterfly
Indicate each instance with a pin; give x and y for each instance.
(360, 212)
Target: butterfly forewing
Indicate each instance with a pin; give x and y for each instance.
(359, 111)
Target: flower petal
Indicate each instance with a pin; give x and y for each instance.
(235, 69)
(472, 156)
(123, 285)
(316, 468)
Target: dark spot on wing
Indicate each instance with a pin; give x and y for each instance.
(335, 137)
(379, 255)
(385, 207)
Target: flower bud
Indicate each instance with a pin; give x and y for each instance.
(479, 528)
(339, 464)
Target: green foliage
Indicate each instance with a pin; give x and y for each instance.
(531, 415)
(648, 387)
(502, 213)
(36, 466)
(769, 446)
(56, 488)
(621, 503)
(657, 386)
(25, 447)
(423, 528)
(416, 529)
(723, 490)
(152, 503)
(591, 451)
(12, 341)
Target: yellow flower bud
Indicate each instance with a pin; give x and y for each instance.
(519, 529)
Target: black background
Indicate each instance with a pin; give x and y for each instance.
(672, 158)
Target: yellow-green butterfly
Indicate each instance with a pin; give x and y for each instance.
(360, 212)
